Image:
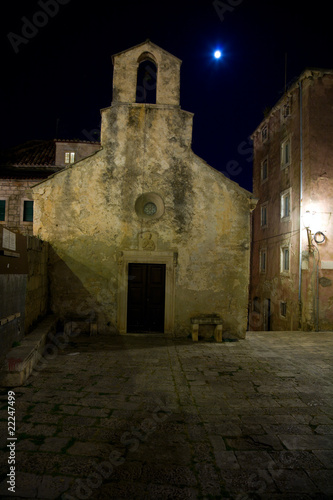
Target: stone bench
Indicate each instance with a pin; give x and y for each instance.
(207, 319)
(80, 325)
(21, 360)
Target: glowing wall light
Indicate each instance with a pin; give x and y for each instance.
(312, 223)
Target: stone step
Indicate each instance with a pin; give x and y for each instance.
(21, 360)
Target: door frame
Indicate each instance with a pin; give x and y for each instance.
(142, 257)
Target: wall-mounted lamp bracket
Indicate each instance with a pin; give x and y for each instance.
(308, 231)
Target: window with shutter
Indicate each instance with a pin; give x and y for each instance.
(285, 153)
(286, 205)
(285, 259)
(263, 215)
(2, 210)
(283, 308)
(262, 260)
(264, 170)
(28, 211)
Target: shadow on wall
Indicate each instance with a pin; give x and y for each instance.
(73, 304)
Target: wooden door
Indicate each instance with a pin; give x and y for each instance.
(146, 298)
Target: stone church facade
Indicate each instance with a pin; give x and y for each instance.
(143, 234)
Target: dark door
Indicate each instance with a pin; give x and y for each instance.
(146, 298)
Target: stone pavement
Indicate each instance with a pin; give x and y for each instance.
(145, 417)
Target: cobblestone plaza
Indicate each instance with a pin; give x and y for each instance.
(147, 417)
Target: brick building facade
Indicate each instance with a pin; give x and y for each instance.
(292, 257)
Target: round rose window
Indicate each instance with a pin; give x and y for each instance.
(150, 208)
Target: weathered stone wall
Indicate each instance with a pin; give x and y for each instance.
(87, 214)
(36, 304)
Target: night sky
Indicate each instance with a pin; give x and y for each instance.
(57, 77)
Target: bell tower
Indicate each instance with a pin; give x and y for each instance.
(145, 116)
(158, 70)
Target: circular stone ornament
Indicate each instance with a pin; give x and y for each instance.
(149, 206)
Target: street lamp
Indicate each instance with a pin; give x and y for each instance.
(310, 221)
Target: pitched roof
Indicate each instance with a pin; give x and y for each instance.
(32, 153)
(33, 159)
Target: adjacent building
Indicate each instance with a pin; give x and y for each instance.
(144, 235)
(23, 166)
(292, 256)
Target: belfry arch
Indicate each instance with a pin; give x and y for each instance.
(146, 87)
(150, 59)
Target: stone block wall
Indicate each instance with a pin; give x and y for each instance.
(15, 191)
